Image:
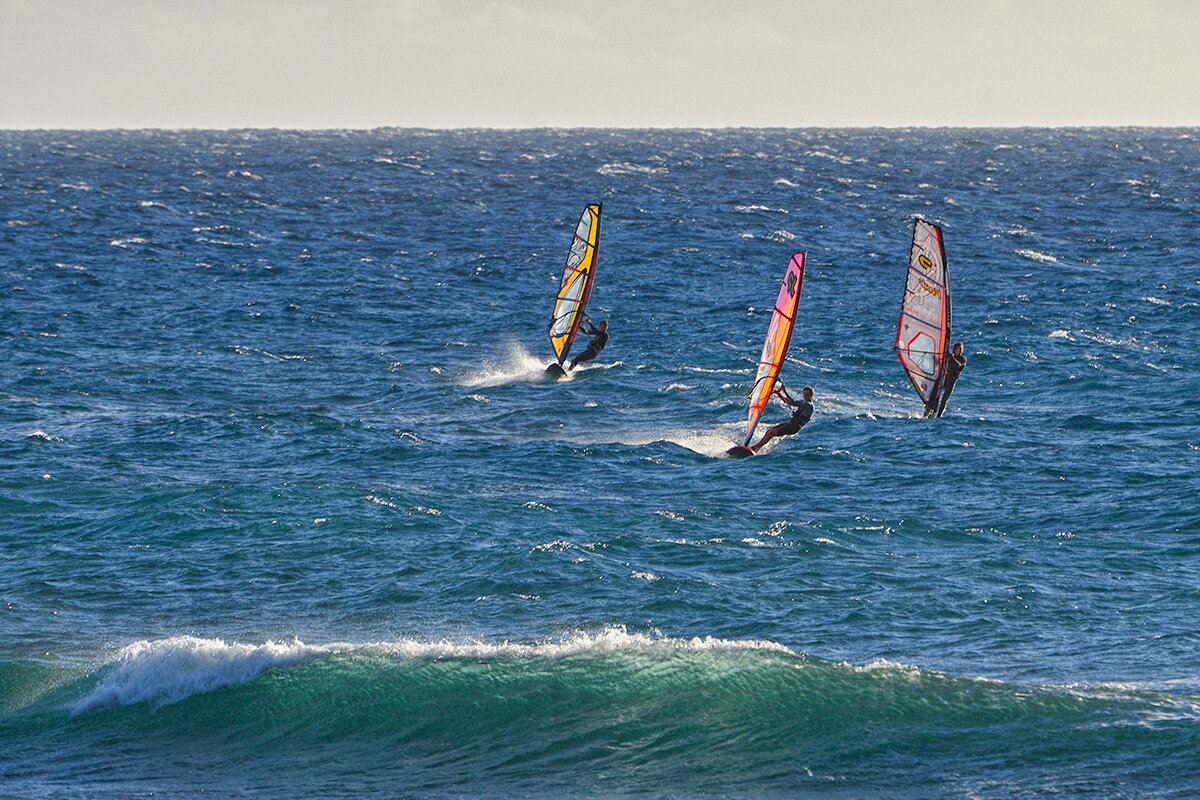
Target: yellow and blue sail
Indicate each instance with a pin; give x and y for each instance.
(923, 337)
(576, 287)
(779, 336)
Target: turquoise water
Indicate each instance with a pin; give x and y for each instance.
(286, 511)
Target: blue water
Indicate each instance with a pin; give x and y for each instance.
(285, 510)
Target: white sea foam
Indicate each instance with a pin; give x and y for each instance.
(1101, 338)
(627, 168)
(381, 501)
(841, 159)
(557, 546)
(1034, 255)
(42, 436)
(709, 441)
(170, 670)
(518, 365)
(609, 640)
(811, 366)
(841, 406)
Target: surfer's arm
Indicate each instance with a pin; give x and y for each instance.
(781, 390)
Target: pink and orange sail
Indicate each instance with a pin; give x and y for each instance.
(923, 337)
(779, 336)
(576, 287)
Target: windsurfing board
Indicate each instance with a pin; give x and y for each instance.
(739, 451)
(555, 372)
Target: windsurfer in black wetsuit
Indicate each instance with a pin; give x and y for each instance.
(800, 417)
(954, 368)
(941, 393)
(599, 339)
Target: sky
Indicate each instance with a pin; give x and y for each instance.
(607, 63)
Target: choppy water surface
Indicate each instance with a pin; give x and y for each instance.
(285, 510)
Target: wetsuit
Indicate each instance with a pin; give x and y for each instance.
(954, 368)
(599, 339)
(800, 418)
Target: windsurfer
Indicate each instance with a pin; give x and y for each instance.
(800, 416)
(941, 393)
(954, 368)
(599, 339)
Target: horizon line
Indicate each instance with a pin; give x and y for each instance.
(451, 128)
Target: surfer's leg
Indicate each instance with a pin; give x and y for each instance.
(586, 355)
(946, 396)
(942, 407)
(768, 436)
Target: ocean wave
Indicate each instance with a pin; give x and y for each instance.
(625, 168)
(42, 436)
(598, 700)
(126, 242)
(170, 670)
(174, 669)
(1034, 255)
(685, 715)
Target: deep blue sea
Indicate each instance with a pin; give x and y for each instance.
(287, 512)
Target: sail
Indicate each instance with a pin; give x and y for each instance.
(923, 338)
(577, 280)
(779, 335)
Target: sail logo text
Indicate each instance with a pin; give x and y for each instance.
(933, 291)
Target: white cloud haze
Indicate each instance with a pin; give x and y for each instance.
(529, 63)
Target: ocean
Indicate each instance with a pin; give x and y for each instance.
(286, 510)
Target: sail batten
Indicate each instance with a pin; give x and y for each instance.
(775, 347)
(576, 286)
(923, 336)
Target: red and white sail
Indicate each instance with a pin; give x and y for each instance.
(923, 338)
